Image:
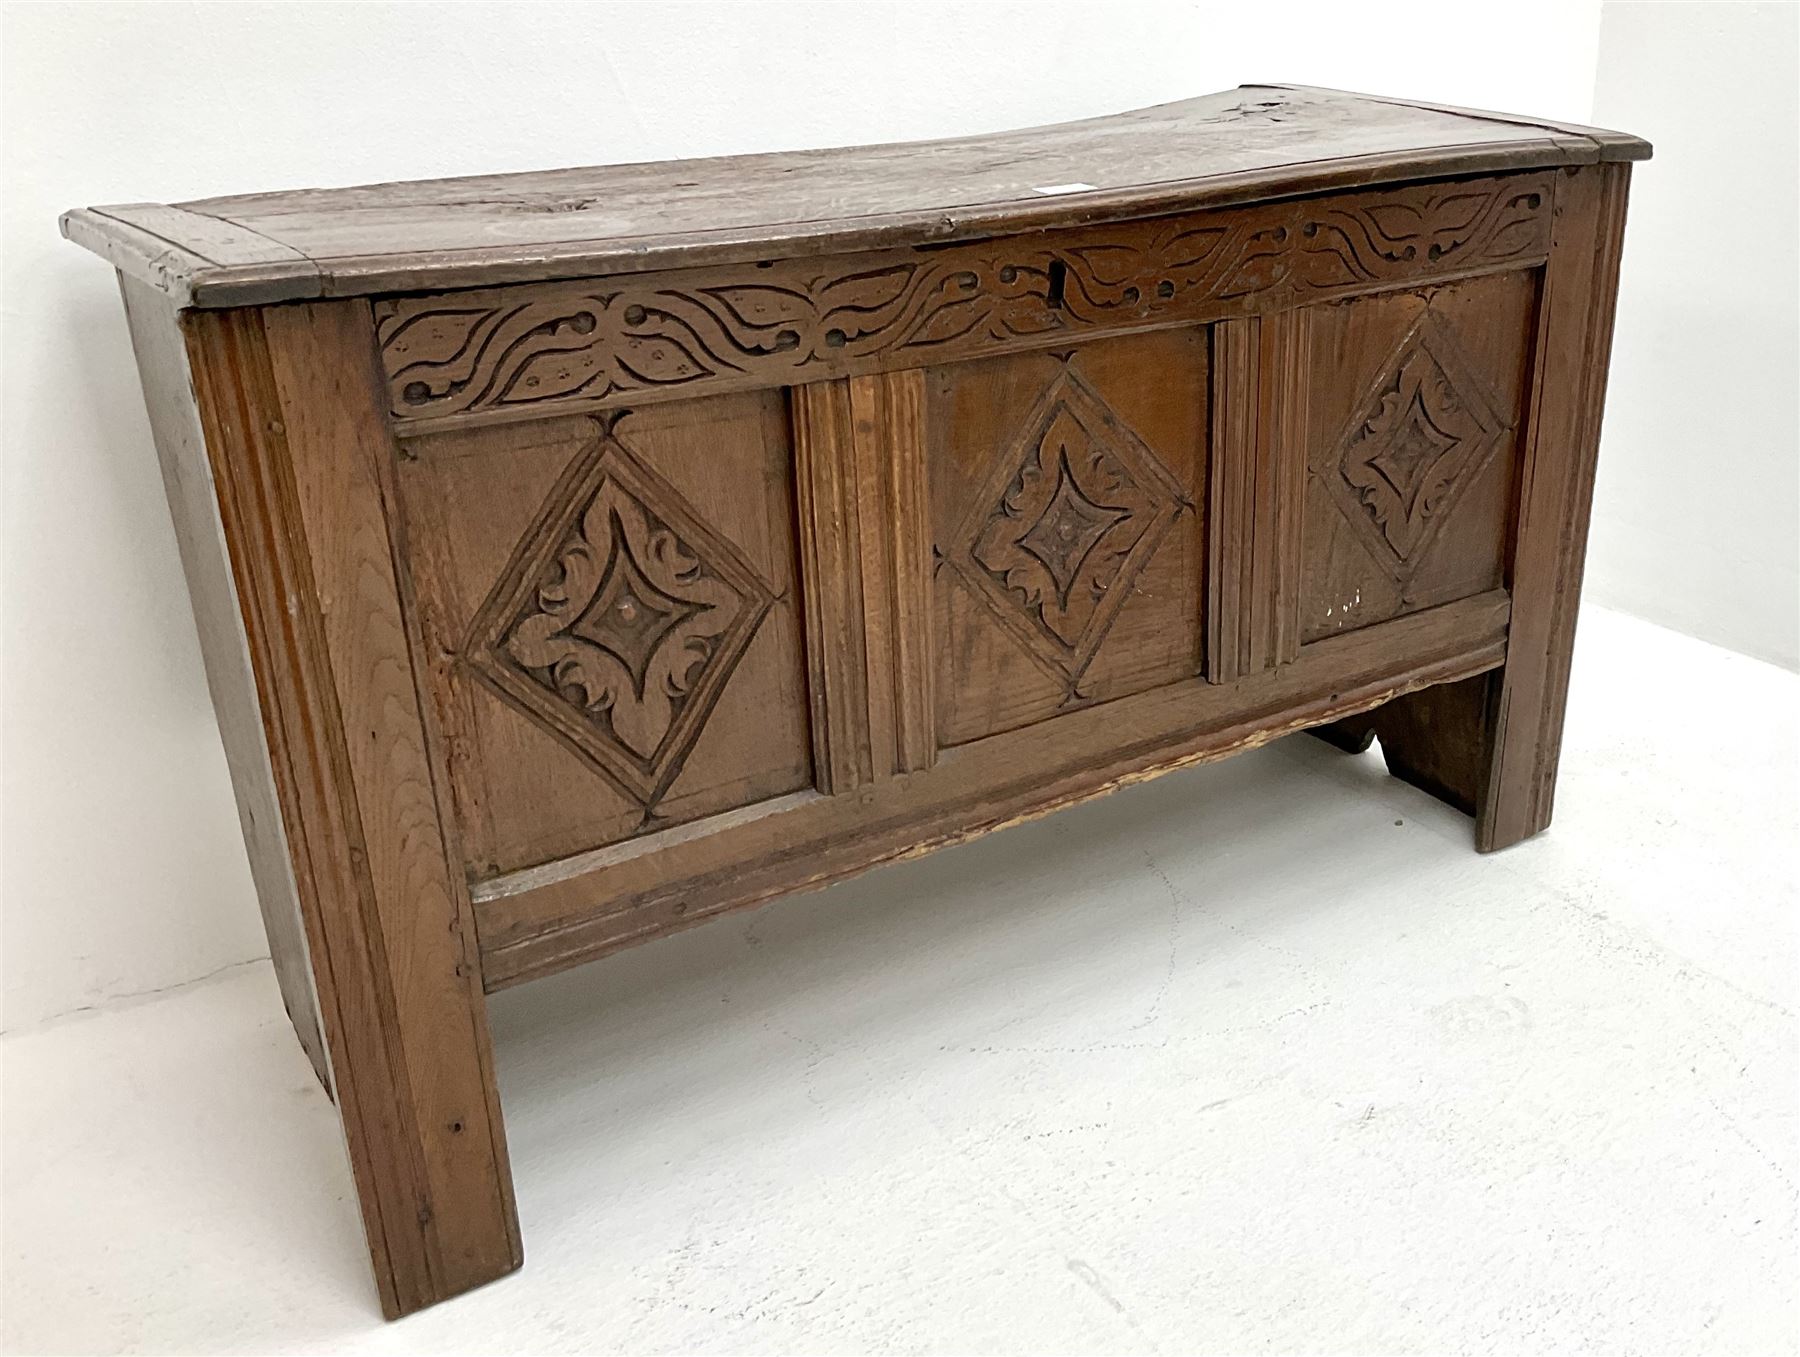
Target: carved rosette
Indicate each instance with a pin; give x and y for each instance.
(619, 621)
(1074, 510)
(1424, 433)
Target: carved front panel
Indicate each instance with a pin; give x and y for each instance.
(1065, 490)
(1414, 412)
(614, 600)
(614, 603)
(621, 620)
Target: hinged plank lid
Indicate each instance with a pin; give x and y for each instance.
(1255, 142)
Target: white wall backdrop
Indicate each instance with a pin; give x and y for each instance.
(122, 871)
(1697, 509)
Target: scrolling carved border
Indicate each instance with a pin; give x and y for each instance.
(553, 348)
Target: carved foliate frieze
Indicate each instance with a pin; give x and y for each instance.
(1421, 436)
(1072, 512)
(619, 620)
(552, 346)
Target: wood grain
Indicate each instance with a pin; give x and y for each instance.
(1575, 322)
(1066, 527)
(865, 574)
(1614, 146)
(1492, 748)
(1239, 145)
(655, 540)
(831, 536)
(299, 455)
(1440, 739)
(613, 607)
(1416, 404)
(887, 417)
(547, 924)
(508, 353)
(1262, 371)
(168, 383)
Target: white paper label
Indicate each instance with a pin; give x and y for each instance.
(1066, 188)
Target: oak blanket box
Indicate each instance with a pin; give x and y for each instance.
(579, 555)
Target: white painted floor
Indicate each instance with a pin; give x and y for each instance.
(1261, 1057)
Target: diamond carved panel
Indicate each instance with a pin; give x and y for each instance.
(1073, 512)
(1422, 436)
(619, 620)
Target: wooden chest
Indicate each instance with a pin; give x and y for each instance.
(579, 555)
